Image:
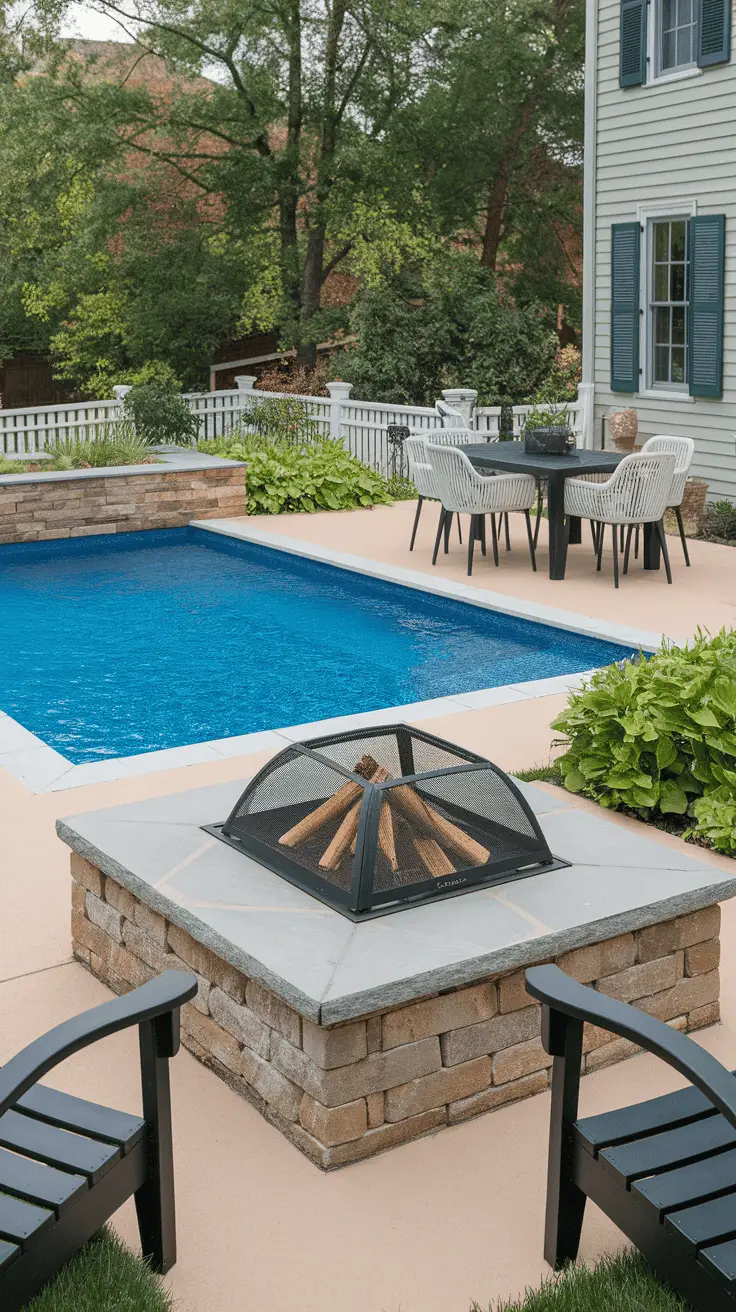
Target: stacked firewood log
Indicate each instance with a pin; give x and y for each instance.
(438, 843)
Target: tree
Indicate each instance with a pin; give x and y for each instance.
(446, 324)
(106, 265)
(499, 135)
(280, 116)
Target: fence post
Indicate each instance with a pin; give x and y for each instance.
(339, 393)
(246, 382)
(462, 399)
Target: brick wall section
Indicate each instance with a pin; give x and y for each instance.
(70, 508)
(344, 1093)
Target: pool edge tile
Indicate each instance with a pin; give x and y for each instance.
(552, 616)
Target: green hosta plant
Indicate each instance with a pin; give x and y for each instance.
(659, 735)
(321, 477)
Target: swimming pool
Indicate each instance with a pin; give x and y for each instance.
(119, 645)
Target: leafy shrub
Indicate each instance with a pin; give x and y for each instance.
(285, 477)
(12, 466)
(159, 412)
(658, 737)
(296, 379)
(401, 488)
(279, 419)
(719, 522)
(446, 324)
(113, 444)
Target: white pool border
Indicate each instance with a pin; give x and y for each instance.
(43, 770)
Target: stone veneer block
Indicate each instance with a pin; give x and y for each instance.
(183, 486)
(353, 1058)
(334, 1094)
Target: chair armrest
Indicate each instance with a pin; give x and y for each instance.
(556, 990)
(159, 997)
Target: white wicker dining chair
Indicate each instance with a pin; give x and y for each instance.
(416, 454)
(636, 493)
(683, 449)
(463, 491)
(420, 472)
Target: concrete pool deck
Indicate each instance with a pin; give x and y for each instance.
(429, 1226)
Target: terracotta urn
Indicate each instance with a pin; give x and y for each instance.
(623, 425)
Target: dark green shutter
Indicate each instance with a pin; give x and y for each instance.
(714, 32)
(625, 248)
(633, 43)
(705, 342)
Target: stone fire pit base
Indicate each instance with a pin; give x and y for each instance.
(355, 1038)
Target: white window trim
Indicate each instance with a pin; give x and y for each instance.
(674, 207)
(654, 77)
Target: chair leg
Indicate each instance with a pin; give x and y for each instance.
(530, 536)
(683, 539)
(438, 539)
(459, 531)
(154, 1201)
(594, 535)
(420, 503)
(621, 538)
(494, 539)
(665, 552)
(471, 542)
(540, 508)
(448, 526)
(615, 535)
(601, 536)
(563, 1038)
(627, 549)
(636, 543)
(482, 532)
(506, 530)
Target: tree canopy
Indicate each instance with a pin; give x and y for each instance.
(156, 217)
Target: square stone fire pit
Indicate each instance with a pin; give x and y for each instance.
(355, 1037)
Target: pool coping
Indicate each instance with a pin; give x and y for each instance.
(42, 769)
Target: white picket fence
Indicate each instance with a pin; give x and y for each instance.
(361, 424)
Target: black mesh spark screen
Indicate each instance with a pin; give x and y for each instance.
(375, 820)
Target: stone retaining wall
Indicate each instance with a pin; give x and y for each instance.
(346, 1092)
(66, 507)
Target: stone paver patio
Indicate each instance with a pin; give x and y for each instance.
(437, 1222)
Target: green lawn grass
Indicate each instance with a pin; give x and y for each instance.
(104, 1277)
(624, 1283)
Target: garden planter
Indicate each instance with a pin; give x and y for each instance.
(623, 425)
(550, 441)
(181, 486)
(693, 504)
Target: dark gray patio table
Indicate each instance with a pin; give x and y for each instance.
(511, 457)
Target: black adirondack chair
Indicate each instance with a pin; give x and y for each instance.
(664, 1171)
(66, 1164)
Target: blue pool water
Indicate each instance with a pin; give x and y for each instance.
(119, 645)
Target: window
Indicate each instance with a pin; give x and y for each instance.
(667, 302)
(676, 35)
(669, 279)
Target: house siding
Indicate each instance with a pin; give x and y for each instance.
(656, 144)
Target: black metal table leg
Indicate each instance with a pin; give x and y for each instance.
(575, 534)
(652, 549)
(557, 526)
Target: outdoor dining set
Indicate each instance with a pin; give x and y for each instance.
(481, 478)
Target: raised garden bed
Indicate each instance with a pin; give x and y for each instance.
(180, 486)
